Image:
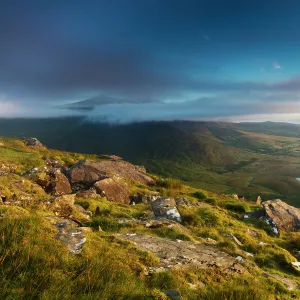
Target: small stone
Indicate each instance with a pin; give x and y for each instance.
(173, 294)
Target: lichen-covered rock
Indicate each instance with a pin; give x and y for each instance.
(166, 208)
(114, 190)
(69, 233)
(178, 253)
(58, 185)
(87, 172)
(285, 217)
(182, 201)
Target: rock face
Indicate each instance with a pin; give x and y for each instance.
(278, 215)
(88, 172)
(113, 190)
(177, 253)
(34, 143)
(285, 217)
(166, 208)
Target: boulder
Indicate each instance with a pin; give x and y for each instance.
(34, 143)
(278, 215)
(88, 194)
(285, 217)
(87, 172)
(166, 208)
(114, 190)
(58, 185)
(63, 206)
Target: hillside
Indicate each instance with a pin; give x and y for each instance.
(76, 226)
(221, 157)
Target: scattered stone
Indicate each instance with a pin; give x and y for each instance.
(248, 254)
(173, 254)
(173, 295)
(210, 241)
(182, 201)
(262, 244)
(139, 198)
(232, 237)
(87, 172)
(296, 265)
(69, 233)
(1, 144)
(240, 259)
(34, 143)
(114, 190)
(166, 208)
(252, 232)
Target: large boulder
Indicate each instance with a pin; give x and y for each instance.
(114, 190)
(166, 208)
(87, 172)
(278, 215)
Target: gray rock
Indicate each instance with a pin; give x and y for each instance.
(69, 233)
(166, 208)
(175, 253)
(173, 294)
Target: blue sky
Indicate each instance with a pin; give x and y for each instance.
(150, 59)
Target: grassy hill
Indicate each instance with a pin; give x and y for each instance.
(35, 264)
(250, 159)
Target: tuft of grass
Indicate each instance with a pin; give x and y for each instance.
(200, 195)
(239, 207)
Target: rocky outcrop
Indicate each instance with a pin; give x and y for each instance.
(58, 185)
(182, 201)
(34, 143)
(114, 190)
(72, 236)
(177, 254)
(278, 215)
(87, 172)
(166, 208)
(64, 206)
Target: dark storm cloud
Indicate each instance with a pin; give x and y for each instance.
(163, 54)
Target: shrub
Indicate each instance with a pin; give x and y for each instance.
(237, 206)
(200, 195)
(211, 201)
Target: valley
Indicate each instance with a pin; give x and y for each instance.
(250, 159)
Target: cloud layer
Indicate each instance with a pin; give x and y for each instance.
(141, 60)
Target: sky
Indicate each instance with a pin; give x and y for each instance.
(129, 60)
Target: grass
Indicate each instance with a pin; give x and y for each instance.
(34, 265)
